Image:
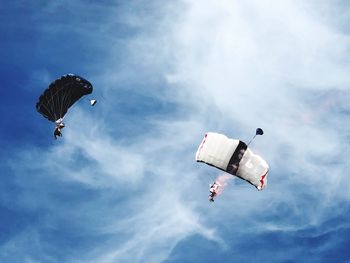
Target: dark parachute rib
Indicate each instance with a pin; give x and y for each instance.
(233, 164)
(61, 94)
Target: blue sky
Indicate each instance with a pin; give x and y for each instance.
(122, 184)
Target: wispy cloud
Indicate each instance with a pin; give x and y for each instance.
(128, 171)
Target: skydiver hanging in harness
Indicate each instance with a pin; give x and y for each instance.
(213, 188)
(59, 126)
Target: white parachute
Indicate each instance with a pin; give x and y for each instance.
(233, 156)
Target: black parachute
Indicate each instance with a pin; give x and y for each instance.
(61, 94)
(259, 131)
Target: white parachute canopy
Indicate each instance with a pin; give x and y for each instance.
(234, 157)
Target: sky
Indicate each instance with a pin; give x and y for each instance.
(122, 184)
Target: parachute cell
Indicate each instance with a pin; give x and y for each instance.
(234, 157)
(61, 94)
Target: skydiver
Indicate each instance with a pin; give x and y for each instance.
(57, 131)
(212, 190)
(211, 196)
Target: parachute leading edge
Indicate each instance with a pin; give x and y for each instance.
(233, 156)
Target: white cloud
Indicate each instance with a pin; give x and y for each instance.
(228, 66)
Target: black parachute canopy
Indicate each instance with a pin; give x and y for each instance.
(61, 94)
(259, 131)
